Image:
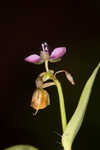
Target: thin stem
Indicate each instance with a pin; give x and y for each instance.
(46, 66)
(62, 106)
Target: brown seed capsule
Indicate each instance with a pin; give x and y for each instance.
(40, 99)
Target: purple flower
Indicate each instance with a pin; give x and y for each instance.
(55, 55)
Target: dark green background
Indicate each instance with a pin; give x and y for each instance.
(23, 27)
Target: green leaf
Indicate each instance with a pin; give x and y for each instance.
(21, 147)
(76, 121)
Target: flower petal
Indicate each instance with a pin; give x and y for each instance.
(33, 58)
(58, 52)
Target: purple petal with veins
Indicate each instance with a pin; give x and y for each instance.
(58, 52)
(33, 58)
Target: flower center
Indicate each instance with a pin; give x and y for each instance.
(44, 54)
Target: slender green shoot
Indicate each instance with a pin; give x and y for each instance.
(62, 105)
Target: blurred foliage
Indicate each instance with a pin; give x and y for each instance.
(21, 147)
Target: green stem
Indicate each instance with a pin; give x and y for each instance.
(61, 98)
(46, 66)
(62, 106)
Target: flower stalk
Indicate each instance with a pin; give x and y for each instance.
(46, 66)
(62, 105)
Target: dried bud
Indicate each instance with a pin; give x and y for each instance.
(70, 78)
(40, 99)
